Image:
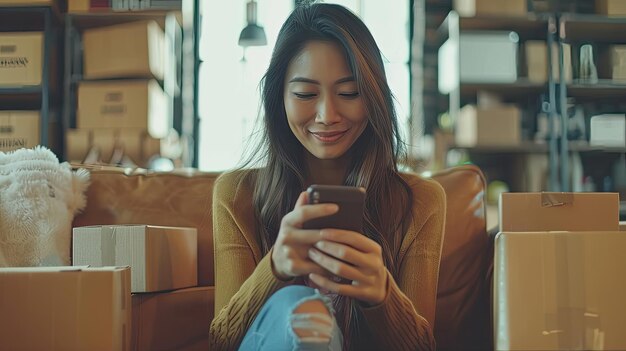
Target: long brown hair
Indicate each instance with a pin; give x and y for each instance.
(374, 156)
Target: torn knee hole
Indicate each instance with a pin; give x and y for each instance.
(311, 321)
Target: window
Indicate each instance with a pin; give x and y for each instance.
(229, 99)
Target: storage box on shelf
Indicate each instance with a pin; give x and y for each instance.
(116, 85)
(611, 7)
(19, 129)
(28, 81)
(130, 50)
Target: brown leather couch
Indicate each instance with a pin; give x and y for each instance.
(180, 320)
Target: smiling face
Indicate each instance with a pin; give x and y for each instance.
(324, 109)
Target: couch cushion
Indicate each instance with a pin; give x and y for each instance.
(182, 198)
(463, 317)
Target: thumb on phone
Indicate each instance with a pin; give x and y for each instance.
(303, 199)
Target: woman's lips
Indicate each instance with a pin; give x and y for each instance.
(329, 137)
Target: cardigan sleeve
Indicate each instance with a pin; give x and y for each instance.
(243, 279)
(410, 302)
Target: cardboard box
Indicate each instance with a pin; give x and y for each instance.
(608, 130)
(124, 104)
(536, 53)
(470, 8)
(21, 59)
(129, 50)
(19, 129)
(488, 56)
(134, 143)
(28, 2)
(176, 320)
(559, 290)
(65, 308)
(611, 7)
(612, 63)
(493, 126)
(82, 6)
(529, 212)
(161, 258)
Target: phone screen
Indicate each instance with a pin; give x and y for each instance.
(351, 202)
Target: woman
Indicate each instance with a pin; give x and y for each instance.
(328, 119)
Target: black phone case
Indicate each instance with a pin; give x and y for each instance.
(351, 202)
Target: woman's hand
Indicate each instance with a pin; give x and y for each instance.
(352, 256)
(290, 252)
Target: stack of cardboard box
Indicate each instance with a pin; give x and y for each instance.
(122, 110)
(164, 268)
(21, 61)
(559, 272)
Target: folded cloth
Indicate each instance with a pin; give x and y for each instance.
(38, 200)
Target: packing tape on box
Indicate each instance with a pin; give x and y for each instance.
(573, 326)
(556, 199)
(107, 245)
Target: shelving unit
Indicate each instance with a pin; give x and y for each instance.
(530, 95)
(43, 19)
(576, 30)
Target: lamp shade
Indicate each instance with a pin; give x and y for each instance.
(252, 35)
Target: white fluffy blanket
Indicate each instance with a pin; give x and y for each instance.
(38, 199)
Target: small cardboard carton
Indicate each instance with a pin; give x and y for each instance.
(491, 126)
(65, 308)
(469, 8)
(124, 104)
(129, 50)
(161, 258)
(611, 7)
(546, 211)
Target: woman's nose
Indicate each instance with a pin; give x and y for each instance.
(327, 112)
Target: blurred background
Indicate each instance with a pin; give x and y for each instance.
(531, 91)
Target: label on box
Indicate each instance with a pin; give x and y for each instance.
(18, 129)
(21, 59)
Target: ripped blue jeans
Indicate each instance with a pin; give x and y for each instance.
(273, 327)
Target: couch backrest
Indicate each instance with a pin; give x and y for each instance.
(183, 199)
(463, 317)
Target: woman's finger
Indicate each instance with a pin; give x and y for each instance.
(337, 267)
(356, 240)
(346, 254)
(304, 213)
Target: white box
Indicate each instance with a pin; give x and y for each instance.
(608, 130)
(161, 258)
(488, 57)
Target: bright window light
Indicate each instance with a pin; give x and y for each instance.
(229, 98)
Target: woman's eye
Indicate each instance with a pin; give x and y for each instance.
(350, 95)
(304, 96)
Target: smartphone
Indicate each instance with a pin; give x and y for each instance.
(351, 202)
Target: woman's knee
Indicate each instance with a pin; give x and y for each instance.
(312, 321)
